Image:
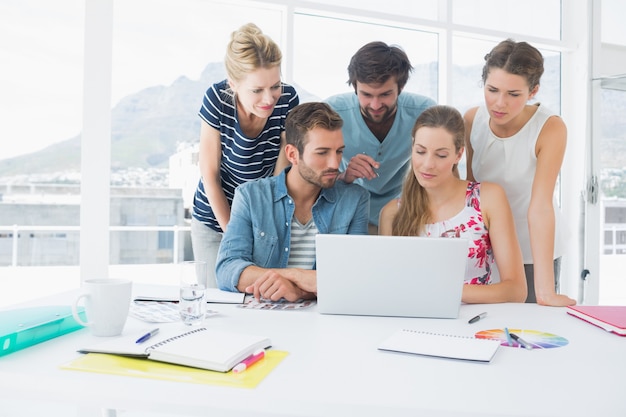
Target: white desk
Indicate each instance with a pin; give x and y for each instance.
(334, 369)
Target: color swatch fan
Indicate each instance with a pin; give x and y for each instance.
(537, 339)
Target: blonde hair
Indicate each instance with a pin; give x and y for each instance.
(413, 213)
(248, 50)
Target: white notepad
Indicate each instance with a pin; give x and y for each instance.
(204, 348)
(441, 345)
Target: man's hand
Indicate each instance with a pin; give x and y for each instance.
(274, 286)
(360, 166)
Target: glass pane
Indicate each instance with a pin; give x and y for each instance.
(421, 9)
(539, 18)
(41, 75)
(165, 55)
(321, 63)
(613, 196)
(467, 85)
(467, 65)
(41, 43)
(613, 29)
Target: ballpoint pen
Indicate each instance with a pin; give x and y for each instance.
(375, 172)
(508, 336)
(156, 299)
(476, 318)
(147, 336)
(249, 361)
(521, 341)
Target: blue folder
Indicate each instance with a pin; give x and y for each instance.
(24, 327)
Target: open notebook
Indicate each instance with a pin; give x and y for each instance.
(441, 345)
(200, 347)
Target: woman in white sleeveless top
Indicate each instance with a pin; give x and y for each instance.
(521, 147)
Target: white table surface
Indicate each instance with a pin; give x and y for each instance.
(334, 369)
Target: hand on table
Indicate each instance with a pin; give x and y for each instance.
(555, 300)
(274, 286)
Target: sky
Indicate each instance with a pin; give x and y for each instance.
(41, 81)
(39, 57)
(155, 42)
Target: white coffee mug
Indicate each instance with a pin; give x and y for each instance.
(107, 302)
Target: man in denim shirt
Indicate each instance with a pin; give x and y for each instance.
(268, 248)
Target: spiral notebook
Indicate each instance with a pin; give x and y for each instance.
(203, 348)
(441, 345)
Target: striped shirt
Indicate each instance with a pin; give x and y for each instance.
(243, 159)
(302, 252)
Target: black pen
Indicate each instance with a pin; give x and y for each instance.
(147, 336)
(156, 299)
(478, 317)
(521, 341)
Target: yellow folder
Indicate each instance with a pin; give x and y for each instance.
(144, 368)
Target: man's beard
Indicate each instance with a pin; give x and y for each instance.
(311, 177)
(389, 112)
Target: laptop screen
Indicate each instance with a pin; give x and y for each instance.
(390, 275)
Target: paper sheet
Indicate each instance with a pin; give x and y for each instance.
(145, 368)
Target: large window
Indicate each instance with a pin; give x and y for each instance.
(612, 29)
(41, 78)
(414, 9)
(41, 74)
(536, 18)
(612, 197)
(320, 63)
(468, 61)
(605, 227)
(166, 53)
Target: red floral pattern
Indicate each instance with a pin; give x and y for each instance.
(468, 224)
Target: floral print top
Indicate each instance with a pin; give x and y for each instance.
(468, 224)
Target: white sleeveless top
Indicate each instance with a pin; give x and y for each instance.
(511, 162)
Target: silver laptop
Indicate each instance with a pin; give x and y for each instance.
(390, 275)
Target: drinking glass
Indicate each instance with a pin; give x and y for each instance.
(193, 283)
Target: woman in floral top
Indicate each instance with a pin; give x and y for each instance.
(436, 203)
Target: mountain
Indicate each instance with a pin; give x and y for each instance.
(146, 128)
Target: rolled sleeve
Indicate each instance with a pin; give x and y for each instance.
(235, 253)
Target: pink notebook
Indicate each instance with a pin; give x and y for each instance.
(610, 318)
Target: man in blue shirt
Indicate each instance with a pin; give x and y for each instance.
(378, 121)
(268, 248)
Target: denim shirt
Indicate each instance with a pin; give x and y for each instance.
(259, 230)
